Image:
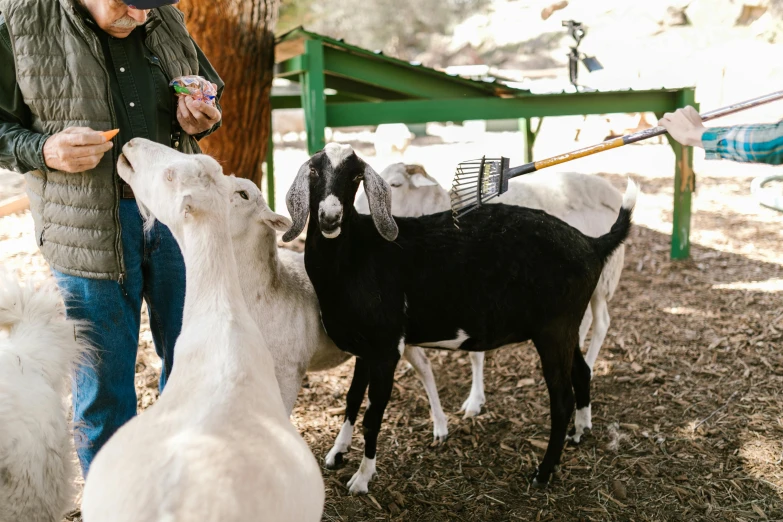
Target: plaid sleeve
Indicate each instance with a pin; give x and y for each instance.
(748, 143)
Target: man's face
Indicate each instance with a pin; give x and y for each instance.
(114, 17)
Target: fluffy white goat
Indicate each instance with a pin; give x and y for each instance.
(38, 352)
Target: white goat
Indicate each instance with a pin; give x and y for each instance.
(283, 303)
(217, 445)
(37, 458)
(588, 203)
(391, 138)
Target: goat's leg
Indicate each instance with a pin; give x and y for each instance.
(421, 364)
(381, 384)
(601, 321)
(587, 320)
(472, 406)
(361, 377)
(580, 379)
(289, 378)
(556, 361)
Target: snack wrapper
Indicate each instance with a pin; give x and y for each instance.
(195, 86)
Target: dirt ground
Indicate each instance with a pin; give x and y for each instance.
(687, 392)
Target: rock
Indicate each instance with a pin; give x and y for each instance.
(675, 16)
(619, 490)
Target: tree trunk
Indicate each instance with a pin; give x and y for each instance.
(237, 36)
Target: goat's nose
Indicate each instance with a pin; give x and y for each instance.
(331, 219)
(330, 214)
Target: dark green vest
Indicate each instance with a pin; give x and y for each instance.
(61, 72)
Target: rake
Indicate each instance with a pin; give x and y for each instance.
(477, 181)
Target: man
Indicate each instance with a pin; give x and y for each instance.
(72, 68)
(747, 143)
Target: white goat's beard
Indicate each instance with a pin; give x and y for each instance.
(126, 22)
(146, 216)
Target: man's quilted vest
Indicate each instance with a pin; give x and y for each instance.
(61, 72)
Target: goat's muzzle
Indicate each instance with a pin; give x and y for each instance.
(330, 216)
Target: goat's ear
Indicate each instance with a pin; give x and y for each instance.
(420, 180)
(412, 169)
(379, 199)
(298, 202)
(275, 221)
(186, 205)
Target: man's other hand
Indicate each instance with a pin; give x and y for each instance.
(195, 116)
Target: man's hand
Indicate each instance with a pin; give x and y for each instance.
(76, 149)
(195, 116)
(684, 125)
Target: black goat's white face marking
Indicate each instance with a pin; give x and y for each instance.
(330, 215)
(337, 153)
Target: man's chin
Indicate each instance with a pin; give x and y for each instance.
(119, 33)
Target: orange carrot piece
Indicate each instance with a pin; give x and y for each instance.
(110, 134)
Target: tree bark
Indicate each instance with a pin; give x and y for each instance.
(237, 36)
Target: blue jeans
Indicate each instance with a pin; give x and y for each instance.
(104, 394)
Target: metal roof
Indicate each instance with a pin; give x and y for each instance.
(291, 44)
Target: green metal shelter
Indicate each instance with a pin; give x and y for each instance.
(370, 88)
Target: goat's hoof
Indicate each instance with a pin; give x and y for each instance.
(439, 434)
(539, 485)
(577, 438)
(472, 407)
(333, 461)
(360, 483)
(540, 480)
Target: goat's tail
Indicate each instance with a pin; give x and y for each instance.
(605, 245)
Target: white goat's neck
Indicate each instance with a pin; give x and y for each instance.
(212, 290)
(258, 261)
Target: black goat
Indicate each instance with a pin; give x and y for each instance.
(507, 275)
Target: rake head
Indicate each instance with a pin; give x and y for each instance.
(476, 182)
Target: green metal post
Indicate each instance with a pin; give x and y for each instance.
(684, 185)
(313, 97)
(270, 169)
(524, 127)
(530, 136)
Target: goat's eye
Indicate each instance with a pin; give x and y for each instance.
(168, 175)
(243, 194)
(358, 178)
(313, 172)
(396, 184)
